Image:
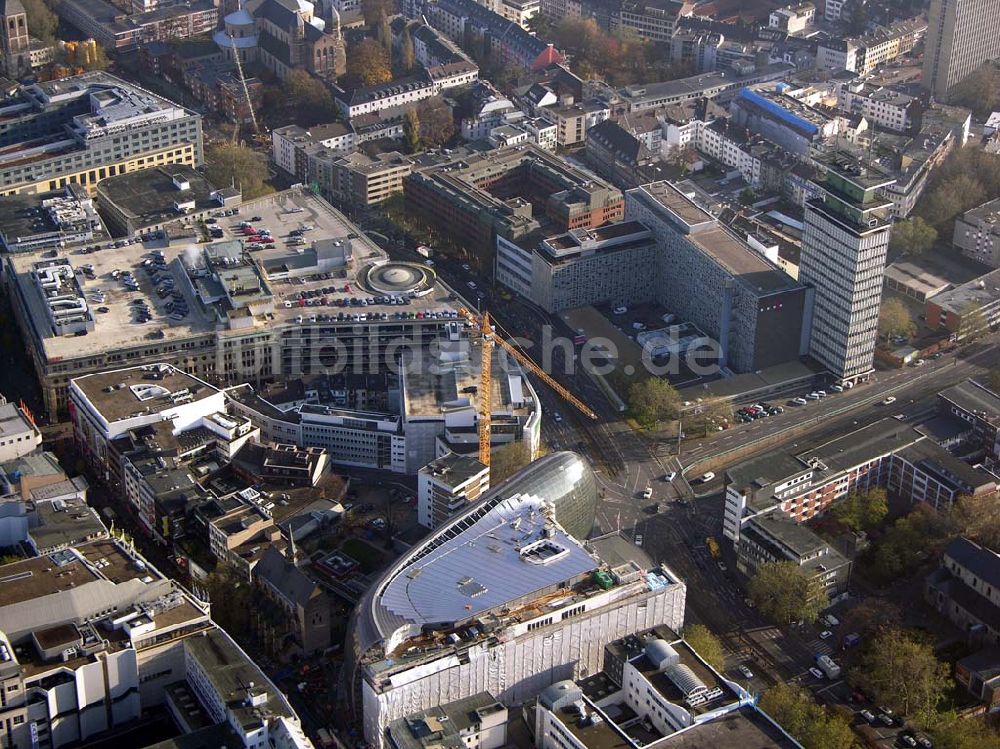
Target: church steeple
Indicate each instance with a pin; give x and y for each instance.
(14, 40)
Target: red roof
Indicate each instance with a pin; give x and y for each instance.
(549, 57)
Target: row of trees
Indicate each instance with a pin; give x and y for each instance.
(618, 59)
(429, 124)
(814, 726)
(967, 178)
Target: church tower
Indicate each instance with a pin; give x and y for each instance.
(14, 42)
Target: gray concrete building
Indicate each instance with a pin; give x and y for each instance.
(962, 35)
(89, 127)
(753, 309)
(977, 233)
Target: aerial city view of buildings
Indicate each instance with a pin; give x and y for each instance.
(459, 374)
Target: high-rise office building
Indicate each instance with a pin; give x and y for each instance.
(844, 246)
(961, 36)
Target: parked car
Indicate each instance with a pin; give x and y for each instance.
(670, 476)
(814, 396)
(868, 715)
(816, 672)
(747, 673)
(647, 493)
(638, 539)
(799, 401)
(825, 634)
(706, 477)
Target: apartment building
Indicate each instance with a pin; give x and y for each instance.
(582, 267)
(400, 92)
(508, 41)
(977, 405)
(882, 106)
(961, 36)
(863, 55)
(18, 433)
(573, 121)
(446, 485)
(793, 19)
(774, 537)
(965, 589)
(887, 454)
(977, 233)
(88, 127)
(653, 20)
(655, 679)
(459, 195)
(968, 310)
(116, 30)
(755, 312)
(477, 722)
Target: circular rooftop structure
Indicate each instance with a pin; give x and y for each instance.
(395, 278)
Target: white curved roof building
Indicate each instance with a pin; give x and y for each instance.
(503, 599)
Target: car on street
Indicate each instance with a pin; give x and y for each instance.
(837, 388)
(638, 539)
(816, 672)
(747, 673)
(471, 285)
(722, 565)
(889, 400)
(868, 715)
(825, 634)
(799, 401)
(647, 493)
(706, 477)
(813, 396)
(670, 476)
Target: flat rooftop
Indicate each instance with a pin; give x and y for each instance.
(745, 728)
(978, 292)
(974, 397)
(330, 294)
(151, 196)
(231, 672)
(122, 393)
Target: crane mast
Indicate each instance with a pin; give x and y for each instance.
(491, 338)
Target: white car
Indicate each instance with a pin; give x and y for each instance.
(670, 476)
(747, 673)
(638, 539)
(821, 393)
(816, 672)
(619, 310)
(889, 400)
(813, 396)
(825, 634)
(837, 388)
(471, 285)
(799, 401)
(647, 493)
(706, 477)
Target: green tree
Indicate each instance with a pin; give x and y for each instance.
(951, 731)
(706, 644)
(437, 123)
(308, 97)
(912, 539)
(862, 511)
(227, 164)
(980, 92)
(373, 9)
(747, 196)
(901, 672)
(540, 26)
(383, 33)
(952, 197)
(913, 236)
(367, 64)
(894, 319)
(42, 22)
(407, 56)
(784, 593)
(411, 131)
(507, 460)
(871, 615)
(653, 401)
(812, 725)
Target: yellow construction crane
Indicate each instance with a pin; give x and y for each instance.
(489, 338)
